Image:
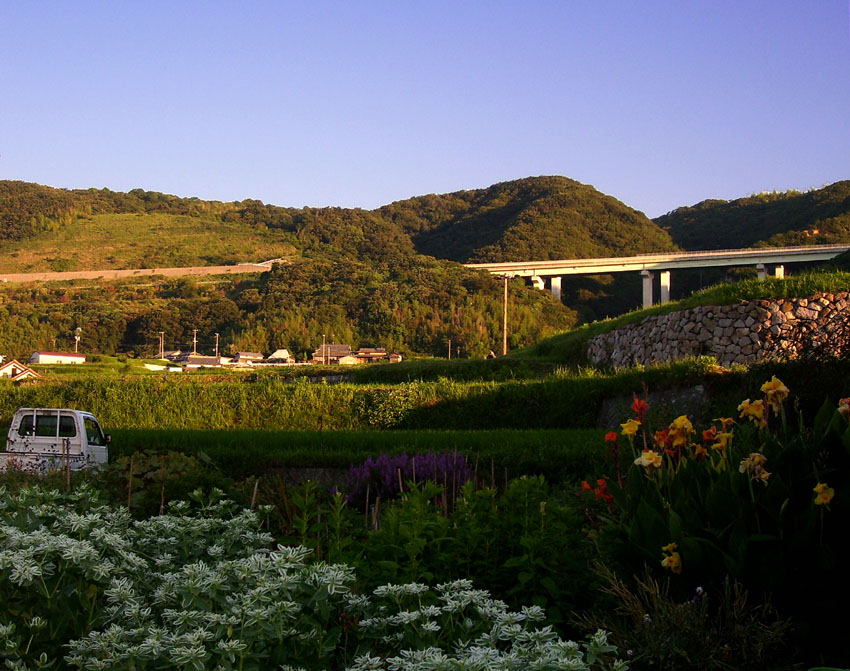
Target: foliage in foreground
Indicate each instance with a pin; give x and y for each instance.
(759, 498)
(200, 588)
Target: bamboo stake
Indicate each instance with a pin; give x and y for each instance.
(66, 449)
(366, 511)
(254, 495)
(162, 487)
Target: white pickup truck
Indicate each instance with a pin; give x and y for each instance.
(41, 439)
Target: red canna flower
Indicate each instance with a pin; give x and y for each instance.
(639, 407)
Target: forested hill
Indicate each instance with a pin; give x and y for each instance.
(533, 218)
(776, 219)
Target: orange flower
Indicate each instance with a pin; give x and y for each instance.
(844, 407)
(639, 407)
(611, 437)
(663, 439)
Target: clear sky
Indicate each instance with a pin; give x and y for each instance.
(360, 103)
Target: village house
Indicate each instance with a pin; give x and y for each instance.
(16, 371)
(200, 361)
(344, 356)
(247, 357)
(56, 357)
(369, 354)
(332, 354)
(281, 356)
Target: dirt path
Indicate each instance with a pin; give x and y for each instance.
(141, 272)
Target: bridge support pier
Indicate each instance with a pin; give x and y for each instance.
(779, 272)
(537, 282)
(761, 271)
(665, 286)
(556, 286)
(646, 278)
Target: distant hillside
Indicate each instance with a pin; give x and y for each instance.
(534, 218)
(42, 228)
(353, 276)
(777, 219)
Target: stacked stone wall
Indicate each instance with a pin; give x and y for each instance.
(745, 333)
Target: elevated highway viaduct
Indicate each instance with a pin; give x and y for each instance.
(663, 264)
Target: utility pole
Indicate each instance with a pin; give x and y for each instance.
(194, 341)
(216, 344)
(505, 320)
(77, 332)
(162, 344)
(450, 349)
(324, 351)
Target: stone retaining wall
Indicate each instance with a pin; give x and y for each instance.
(744, 333)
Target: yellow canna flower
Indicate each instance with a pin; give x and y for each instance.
(672, 559)
(673, 562)
(823, 494)
(649, 459)
(722, 443)
(630, 428)
(775, 391)
(753, 411)
(725, 422)
(682, 429)
(754, 465)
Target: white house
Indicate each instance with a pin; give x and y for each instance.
(57, 357)
(17, 371)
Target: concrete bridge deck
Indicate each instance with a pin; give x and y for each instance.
(648, 264)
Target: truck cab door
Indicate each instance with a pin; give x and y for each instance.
(96, 441)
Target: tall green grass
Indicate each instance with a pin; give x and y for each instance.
(561, 454)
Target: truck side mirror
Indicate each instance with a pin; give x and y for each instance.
(108, 438)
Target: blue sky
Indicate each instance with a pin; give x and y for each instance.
(357, 104)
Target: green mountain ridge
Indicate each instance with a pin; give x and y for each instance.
(819, 216)
(531, 218)
(386, 277)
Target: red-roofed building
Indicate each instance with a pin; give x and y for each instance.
(57, 357)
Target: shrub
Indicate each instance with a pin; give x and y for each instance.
(200, 588)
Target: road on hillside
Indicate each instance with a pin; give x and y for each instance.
(139, 272)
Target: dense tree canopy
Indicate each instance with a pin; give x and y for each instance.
(777, 219)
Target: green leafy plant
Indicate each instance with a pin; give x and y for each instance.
(764, 503)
